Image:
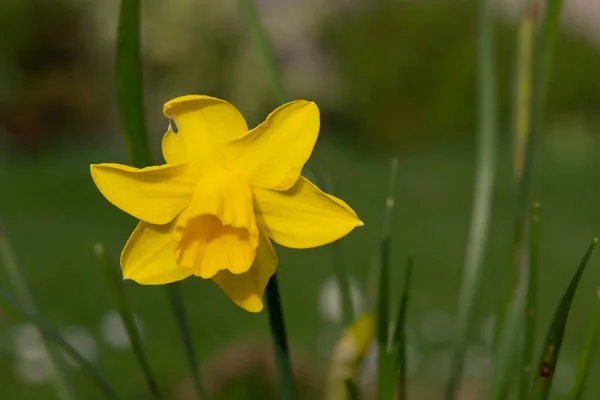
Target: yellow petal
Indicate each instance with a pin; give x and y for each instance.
(205, 124)
(153, 194)
(303, 216)
(272, 154)
(173, 148)
(247, 289)
(218, 231)
(149, 255)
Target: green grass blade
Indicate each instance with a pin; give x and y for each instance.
(507, 345)
(265, 48)
(587, 353)
(12, 268)
(531, 306)
(116, 286)
(280, 345)
(10, 304)
(173, 291)
(352, 390)
(556, 331)
(399, 340)
(385, 366)
(483, 191)
(129, 82)
(131, 111)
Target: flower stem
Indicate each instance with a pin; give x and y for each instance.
(280, 345)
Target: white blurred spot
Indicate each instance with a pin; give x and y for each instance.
(438, 327)
(33, 371)
(82, 341)
(413, 360)
(488, 329)
(113, 332)
(478, 362)
(330, 299)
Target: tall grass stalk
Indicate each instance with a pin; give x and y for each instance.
(484, 186)
(587, 352)
(12, 269)
(130, 102)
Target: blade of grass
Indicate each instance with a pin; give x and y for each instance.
(352, 390)
(131, 111)
(507, 345)
(128, 70)
(116, 286)
(280, 345)
(483, 191)
(556, 332)
(587, 352)
(385, 368)
(531, 306)
(10, 304)
(399, 341)
(265, 48)
(173, 291)
(17, 281)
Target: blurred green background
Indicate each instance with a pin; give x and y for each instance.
(392, 78)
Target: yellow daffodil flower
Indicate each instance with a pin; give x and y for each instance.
(224, 193)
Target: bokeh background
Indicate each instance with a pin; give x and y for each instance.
(393, 78)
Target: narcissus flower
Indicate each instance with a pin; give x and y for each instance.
(224, 193)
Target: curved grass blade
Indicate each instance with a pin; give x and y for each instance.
(556, 332)
(399, 340)
(265, 48)
(13, 271)
(587, 353)
(178, 309)
(352, 390)
(129, 82)
(483, 191)
(10, 304)
(116, 286)
(280, 347)
(531, 306)
(385, 367)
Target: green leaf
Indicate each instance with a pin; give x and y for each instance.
(485, 174)
(280, 345)
(116, 286)
(556, 331)
(128, 69)
(399, 340)
(8, 303)
(385, 370)
(587, 352)
(531, 306)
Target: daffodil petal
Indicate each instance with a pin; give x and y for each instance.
(173, 148)
(218, 231)
(246, 290)
(149, 255)
(303, 216)
(272, 154)
(205, 124)
(153, 194)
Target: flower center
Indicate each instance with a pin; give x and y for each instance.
(218, 230)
